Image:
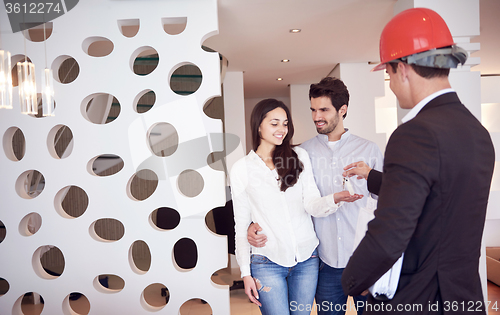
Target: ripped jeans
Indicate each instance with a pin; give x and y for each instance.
(285, 290)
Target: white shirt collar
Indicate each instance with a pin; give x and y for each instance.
(342, 137)
(415, 110)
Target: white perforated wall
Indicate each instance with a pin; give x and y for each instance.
(102, 36)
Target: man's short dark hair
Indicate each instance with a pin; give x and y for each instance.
(425, 72)
(332, 88)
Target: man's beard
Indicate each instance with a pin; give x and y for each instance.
(329, 127)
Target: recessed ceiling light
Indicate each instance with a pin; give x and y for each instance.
(279, 79)
(295, 30)
(285, 60)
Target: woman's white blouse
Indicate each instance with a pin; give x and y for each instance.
(285, 217)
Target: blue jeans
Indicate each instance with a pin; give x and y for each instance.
(285, 290)
(330, 297)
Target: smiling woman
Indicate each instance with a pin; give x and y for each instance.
(272, 184)
(273, 128)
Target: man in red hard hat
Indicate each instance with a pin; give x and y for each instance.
(435, 183)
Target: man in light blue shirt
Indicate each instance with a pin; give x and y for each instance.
(330, 151)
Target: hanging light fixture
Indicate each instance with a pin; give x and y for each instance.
(28, 97)
(26, 80)
(48, 103)
(27, 87)
(5, 80)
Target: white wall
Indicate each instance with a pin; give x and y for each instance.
(86, 257)
(364, 88)
(490, 105)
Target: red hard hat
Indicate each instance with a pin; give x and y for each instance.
(410, 32)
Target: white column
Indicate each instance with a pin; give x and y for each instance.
(301, 113)
(234, 113)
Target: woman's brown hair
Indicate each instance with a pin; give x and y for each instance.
(285, 159)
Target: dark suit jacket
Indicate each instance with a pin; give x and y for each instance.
(432, 206)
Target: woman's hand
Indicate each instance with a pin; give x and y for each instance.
(251, 289)
(345, 196)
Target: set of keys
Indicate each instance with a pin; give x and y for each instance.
(346, 185)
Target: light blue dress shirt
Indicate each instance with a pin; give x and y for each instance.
(340, 232)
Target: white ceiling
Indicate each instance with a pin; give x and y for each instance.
(254, 36)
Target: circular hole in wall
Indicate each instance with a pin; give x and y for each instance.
(71, 202)
(174, 25)
(48, 262)
(214, 108)
(3, 231)
(108, 283)
(4, 286)
(129, 27)
(210, 222)
(216, 160)
(202, 307)
(60, 142)
(30, 184)
(66, 69)
(14, 144)
(144, 60)
(37, 33)
(97, 46)
(30, 224)
(163, 139)
(14, 60)
(186, 79)
(165, 218)
(144, 101)
(29, 303)
(155, 296)
(190, 183)
(139, 257)
(218, 279)
(220, 220)
(105, 165)
(107, 229)
(76, 303)
(185, 253)
(142, 185)
(100, 108)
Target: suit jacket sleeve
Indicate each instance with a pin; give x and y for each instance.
(374, 181)
(410, 168)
